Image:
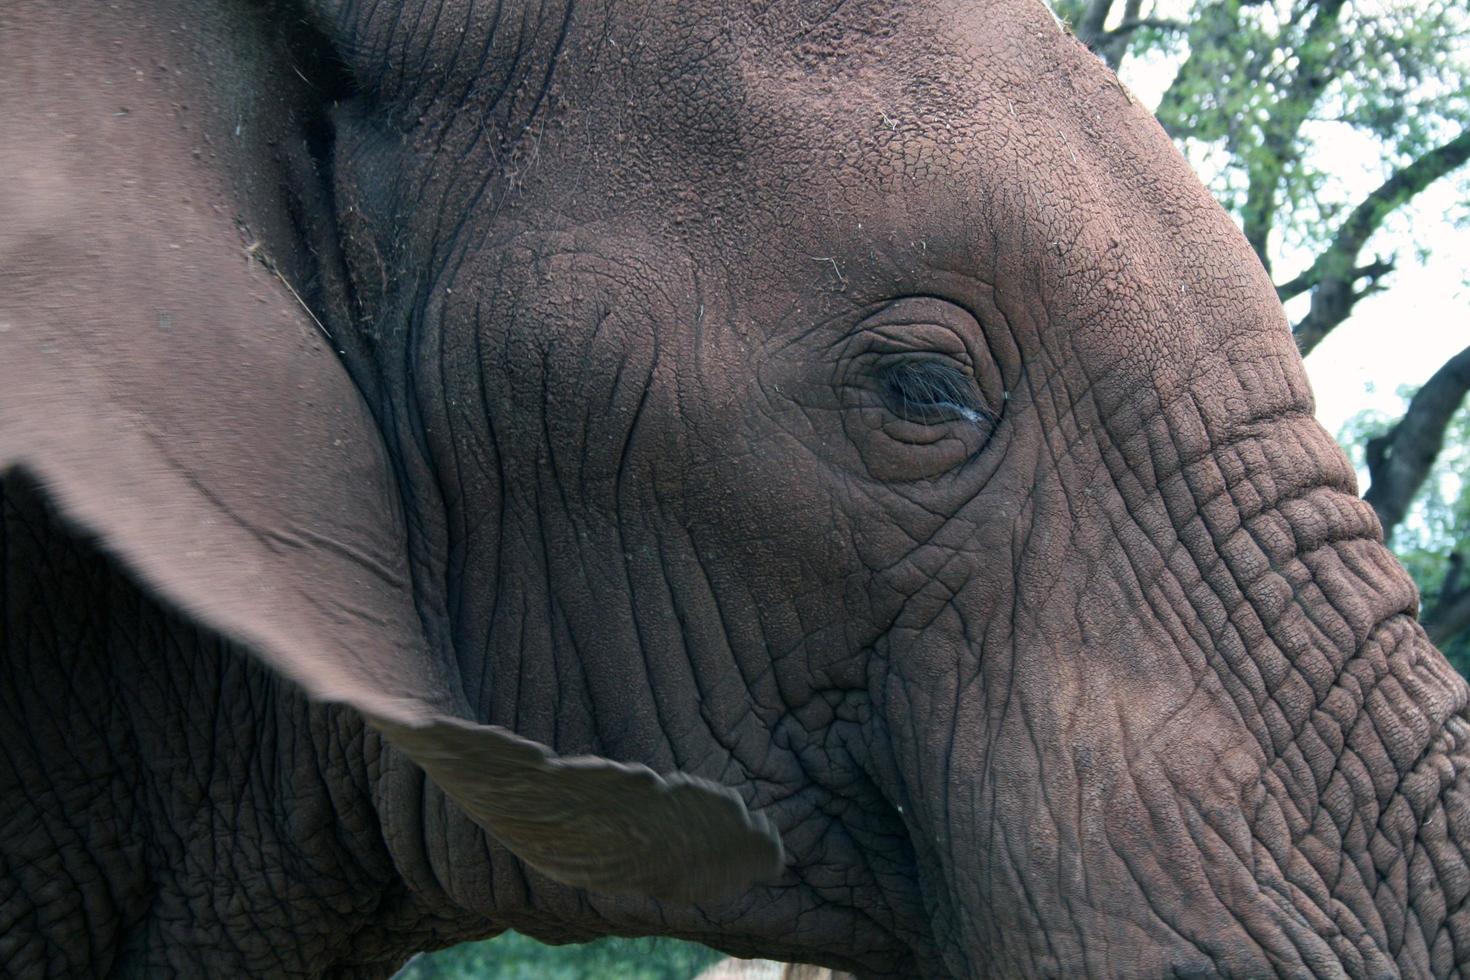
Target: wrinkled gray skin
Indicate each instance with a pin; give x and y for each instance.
(856, 405)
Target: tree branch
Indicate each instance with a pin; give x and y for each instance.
(1449, 617)
(1089, 29)
(1333, 275)
(1399, 460)
(1272, 144)
(1393, 193)
(1281, 130)
(1374, 271)
(1333, 300)
(1450, 587)
(1450, 613)
(1128, 26)
(1210, 25)
(1113, 45)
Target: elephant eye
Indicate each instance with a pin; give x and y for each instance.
(931, 392)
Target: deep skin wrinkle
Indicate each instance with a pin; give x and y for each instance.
(958, 574)
(129, 831)
(1068, 651)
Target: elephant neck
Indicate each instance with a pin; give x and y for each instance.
(206, 816)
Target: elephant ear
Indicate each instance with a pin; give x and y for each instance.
(175, 400)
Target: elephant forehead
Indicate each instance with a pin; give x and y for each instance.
(988, 133)
(928, 119)
(978, 138)
(877, 140)
(868, 91)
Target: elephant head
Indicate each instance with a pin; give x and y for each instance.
(818, 478)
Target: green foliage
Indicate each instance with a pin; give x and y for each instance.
(1439, 522)
(1270, 83)
(512, 956)
(1266, 88)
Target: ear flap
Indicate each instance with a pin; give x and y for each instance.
(176, 401)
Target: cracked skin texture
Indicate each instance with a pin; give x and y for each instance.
(854, 412)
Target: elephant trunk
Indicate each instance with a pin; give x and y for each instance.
(1254, 761)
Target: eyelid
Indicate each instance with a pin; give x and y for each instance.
(915, 387)
(936, 342)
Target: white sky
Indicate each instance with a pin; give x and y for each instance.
(1402, 335)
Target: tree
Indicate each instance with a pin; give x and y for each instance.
(512, 956)
(1440, 519)
(1261, 89)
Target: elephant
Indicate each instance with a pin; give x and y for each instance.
(819, 478)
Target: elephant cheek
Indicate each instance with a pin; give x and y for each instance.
(1055, 836)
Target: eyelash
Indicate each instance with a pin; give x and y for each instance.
(918, 389)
